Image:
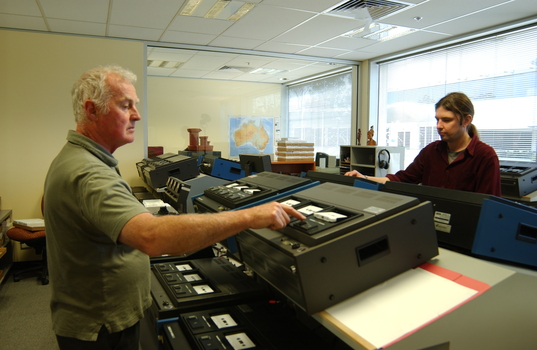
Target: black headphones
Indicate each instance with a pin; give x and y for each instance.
(384, 164)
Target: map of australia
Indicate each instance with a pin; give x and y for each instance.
(254, 134)
(251, 135)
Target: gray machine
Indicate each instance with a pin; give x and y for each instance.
(352, 239)
(518, 178)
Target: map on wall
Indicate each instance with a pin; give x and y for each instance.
(254, 135)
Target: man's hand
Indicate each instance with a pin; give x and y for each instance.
(354, 173)
(272, 215)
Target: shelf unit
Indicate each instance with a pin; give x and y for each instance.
(366, 159)
(6, 259)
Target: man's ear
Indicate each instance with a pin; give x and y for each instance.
(91, 109)
(467, 120)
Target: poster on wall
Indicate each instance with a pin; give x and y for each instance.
(253, 135)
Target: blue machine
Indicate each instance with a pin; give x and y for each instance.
(507, 231)
(222, 168)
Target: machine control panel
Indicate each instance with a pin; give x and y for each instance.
(187, 284)
(319, 216)
(248, 190)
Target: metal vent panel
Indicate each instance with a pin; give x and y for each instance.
(376, 8)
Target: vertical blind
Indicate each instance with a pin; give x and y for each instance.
(498, 73)
(320, 112)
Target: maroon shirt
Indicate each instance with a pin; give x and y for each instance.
(476, 169)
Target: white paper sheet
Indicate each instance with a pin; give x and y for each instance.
(400, 305)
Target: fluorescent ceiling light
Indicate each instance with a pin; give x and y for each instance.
(270, 71)
(217, 8)
(163, 64)
(153, 63)
(243, 10)
(231, 10)
(190, 7)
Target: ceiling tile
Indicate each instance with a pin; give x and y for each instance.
(199, 25)
(22, 22)
(77, 27)
(271, 46)
(134, 32)
(20, 7)
(298, 27)
(177, 55)
(79, 10)
(346, 43)
(265, 22)
(287, 64)
(156, 71)
(143, 13)
(322, 52)
(250, 61)
(394, 46)
(189, 73)
(223, 75)
(430, 14)
(485, 19)
(319, 29)
(236, 43)
(186, 38)
(309, 5)
(204, 61)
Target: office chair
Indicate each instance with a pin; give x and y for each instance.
(36, 240)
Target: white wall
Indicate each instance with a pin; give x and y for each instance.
(175, 105)
(37, 71)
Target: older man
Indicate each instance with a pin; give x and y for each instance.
(100, 237)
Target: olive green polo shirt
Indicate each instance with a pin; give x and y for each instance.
(95, 279)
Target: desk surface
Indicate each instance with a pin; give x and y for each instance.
(503, 307)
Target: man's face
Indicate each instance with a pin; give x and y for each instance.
(116, 128)
(448, 125)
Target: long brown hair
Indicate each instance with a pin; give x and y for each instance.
(461, 105)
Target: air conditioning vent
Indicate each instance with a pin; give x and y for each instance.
(375, 8)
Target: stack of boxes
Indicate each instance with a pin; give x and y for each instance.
(295, 151)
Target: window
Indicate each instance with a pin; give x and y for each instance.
(498, 73)
(320, 112)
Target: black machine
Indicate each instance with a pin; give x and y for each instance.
(247, 191)
(321, 159)
(179, 193)
(265, 325)
(176, 194)
(342, 180)
(155, 171)
(187, 285)
(352, 239)
(456, 213)
(255, 163)
(518, 178)
(329, 177)
(180, 286)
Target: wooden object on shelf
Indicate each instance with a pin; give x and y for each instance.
(198, 143)
(370, 134)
